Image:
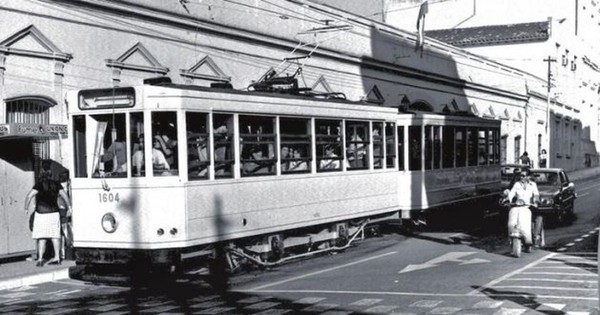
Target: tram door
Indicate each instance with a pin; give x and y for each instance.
(16, 179)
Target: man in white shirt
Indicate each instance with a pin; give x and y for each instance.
(524, 192)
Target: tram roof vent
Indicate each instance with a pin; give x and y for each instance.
(158, 81)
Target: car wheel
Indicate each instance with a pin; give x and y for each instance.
(560, 217)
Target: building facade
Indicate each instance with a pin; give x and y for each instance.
(49, 47)
(555, 41)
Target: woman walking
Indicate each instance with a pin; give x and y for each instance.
(46, 223)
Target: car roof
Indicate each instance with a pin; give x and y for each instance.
(546, 170)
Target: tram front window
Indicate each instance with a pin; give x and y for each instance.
(164, 143)
(136, 132)
(110, 149)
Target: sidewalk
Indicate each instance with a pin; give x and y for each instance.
(20, 273)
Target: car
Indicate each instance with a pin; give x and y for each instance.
(557, 194)
(507, 173)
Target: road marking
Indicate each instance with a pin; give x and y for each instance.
(552, 280)
(319, 272)
(452, 257)
(510, 311)
(581, 195)
(588, 187)
(543, 288)
(508, 275)
(550, 307)
(591, 274)
(386, 293)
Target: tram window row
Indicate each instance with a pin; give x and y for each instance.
(271, 145)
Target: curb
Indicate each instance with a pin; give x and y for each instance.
(16, 282)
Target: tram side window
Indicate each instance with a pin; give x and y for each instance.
(482, 147)
(328, 134)
(437, 147)
(197, 145)
(357, 145)
(257, 145)
(295, 145)
(428, 147)
(401, 164)
(110, 148)
(390, 146)
(79, 146)
(136, 133)
(461, 147)
(472, 146)
(223, 145)
(164, 143)
(377, 145)
(496, 145)
(448, 147)
(414, 149)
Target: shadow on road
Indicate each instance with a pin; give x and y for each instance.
(524, 299)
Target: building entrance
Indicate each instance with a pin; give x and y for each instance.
(16, 179)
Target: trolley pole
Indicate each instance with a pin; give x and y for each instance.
(550, 60)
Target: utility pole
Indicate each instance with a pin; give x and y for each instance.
(550, 60)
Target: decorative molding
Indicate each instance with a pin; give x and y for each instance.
(206, 62)
(51, 51)
(473, 108)
(137, 49)
(519, 117)
(505, 115)
(374, 96)
(322, 82)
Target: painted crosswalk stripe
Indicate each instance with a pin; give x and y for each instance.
(553, 280)
(426, 303)
(510, 311)
(309, 300)
(488, 304)
(366, 302)
(381, 309)
(444, 310)
(544, 288)
(550, 307)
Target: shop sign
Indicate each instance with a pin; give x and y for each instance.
(32, 130)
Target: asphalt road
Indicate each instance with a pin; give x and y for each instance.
(458, 271)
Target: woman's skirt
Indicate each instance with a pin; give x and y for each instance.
(46, 225)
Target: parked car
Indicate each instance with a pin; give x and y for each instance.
(557, 193)
(507, 173)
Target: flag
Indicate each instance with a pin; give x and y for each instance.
(421, 23)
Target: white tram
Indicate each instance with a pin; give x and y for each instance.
(163, 173)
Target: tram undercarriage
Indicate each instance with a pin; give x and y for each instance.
(120, 266)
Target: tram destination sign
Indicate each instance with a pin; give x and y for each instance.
(32, 130)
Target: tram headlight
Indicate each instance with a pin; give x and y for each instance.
(109, 223)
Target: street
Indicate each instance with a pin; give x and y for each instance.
(449, 272)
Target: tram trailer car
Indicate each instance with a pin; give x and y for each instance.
(163, 174)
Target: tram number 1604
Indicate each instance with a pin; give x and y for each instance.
(108, 197)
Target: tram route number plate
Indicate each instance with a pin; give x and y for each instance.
(108, 197)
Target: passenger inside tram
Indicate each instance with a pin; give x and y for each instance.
(159, 161)
(330, 160)
(257, 163)
(198, 156)
(297, 164)
(116, 155)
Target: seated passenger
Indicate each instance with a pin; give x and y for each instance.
(117, 149)
(298, 165)
(168, 146)
(257, 165)
(137, 159)
(285, 155)
(159, 162)
(198, 157)
(330, 162)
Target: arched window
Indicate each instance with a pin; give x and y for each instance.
(31, 110)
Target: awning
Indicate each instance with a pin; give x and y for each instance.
(38, 131)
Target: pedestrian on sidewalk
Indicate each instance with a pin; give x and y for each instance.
(46, 223)
(543, 158)
(525, 159)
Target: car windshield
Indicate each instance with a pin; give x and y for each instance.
(546, 179)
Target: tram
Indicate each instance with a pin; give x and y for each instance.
(163, 173)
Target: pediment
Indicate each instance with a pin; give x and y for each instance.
(374, 96)
(206, 69)
(31, 42)
(321, 85)
(137, 58)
